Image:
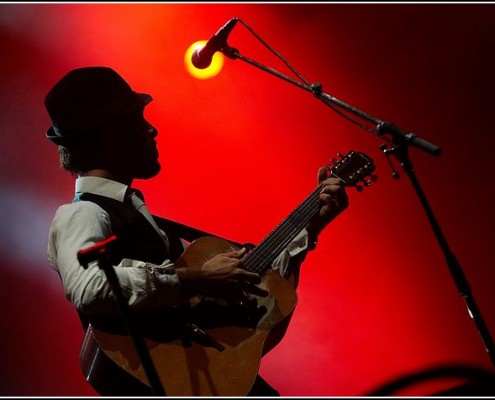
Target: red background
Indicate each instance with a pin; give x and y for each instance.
(376, 299)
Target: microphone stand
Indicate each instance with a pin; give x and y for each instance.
(100, 252)
(401, 140)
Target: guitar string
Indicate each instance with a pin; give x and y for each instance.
(288, 233)
(288, 229)
(262, 256)
(260, 253)
(300, 216)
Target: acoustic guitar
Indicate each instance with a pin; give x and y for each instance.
(212, 347)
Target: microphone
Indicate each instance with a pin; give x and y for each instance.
(201, 58)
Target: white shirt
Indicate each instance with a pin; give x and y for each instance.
(81, 224)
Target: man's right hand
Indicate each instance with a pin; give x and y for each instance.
(222, 276)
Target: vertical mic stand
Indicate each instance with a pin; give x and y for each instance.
(99, 252)
(401, 140)
(400, 150)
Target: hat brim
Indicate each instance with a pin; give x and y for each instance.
(54, 135)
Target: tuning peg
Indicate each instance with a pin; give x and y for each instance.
(359, 188)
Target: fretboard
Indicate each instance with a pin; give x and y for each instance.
(262, 256)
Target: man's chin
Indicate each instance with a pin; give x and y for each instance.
(150, 172)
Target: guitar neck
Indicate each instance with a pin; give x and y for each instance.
(351, 169)
(261, 258)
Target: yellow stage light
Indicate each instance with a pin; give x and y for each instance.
(206, 73)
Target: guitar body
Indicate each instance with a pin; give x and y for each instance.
(222, 360)
(211, 347)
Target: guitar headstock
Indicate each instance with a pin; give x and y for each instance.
(354, 169)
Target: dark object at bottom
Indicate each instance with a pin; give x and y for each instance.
(262, 388)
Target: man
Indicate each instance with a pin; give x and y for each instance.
(106, 143)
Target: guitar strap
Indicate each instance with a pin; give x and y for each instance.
(189, 233)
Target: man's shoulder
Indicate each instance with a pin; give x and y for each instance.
(79, 209)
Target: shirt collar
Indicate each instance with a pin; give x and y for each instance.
(101, 186)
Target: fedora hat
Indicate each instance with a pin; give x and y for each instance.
(85, 98)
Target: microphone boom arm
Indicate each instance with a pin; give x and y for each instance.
(382, 127)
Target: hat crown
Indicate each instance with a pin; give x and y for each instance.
(86, 97)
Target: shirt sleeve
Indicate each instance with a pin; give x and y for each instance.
(79, 225)
(288, 263)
